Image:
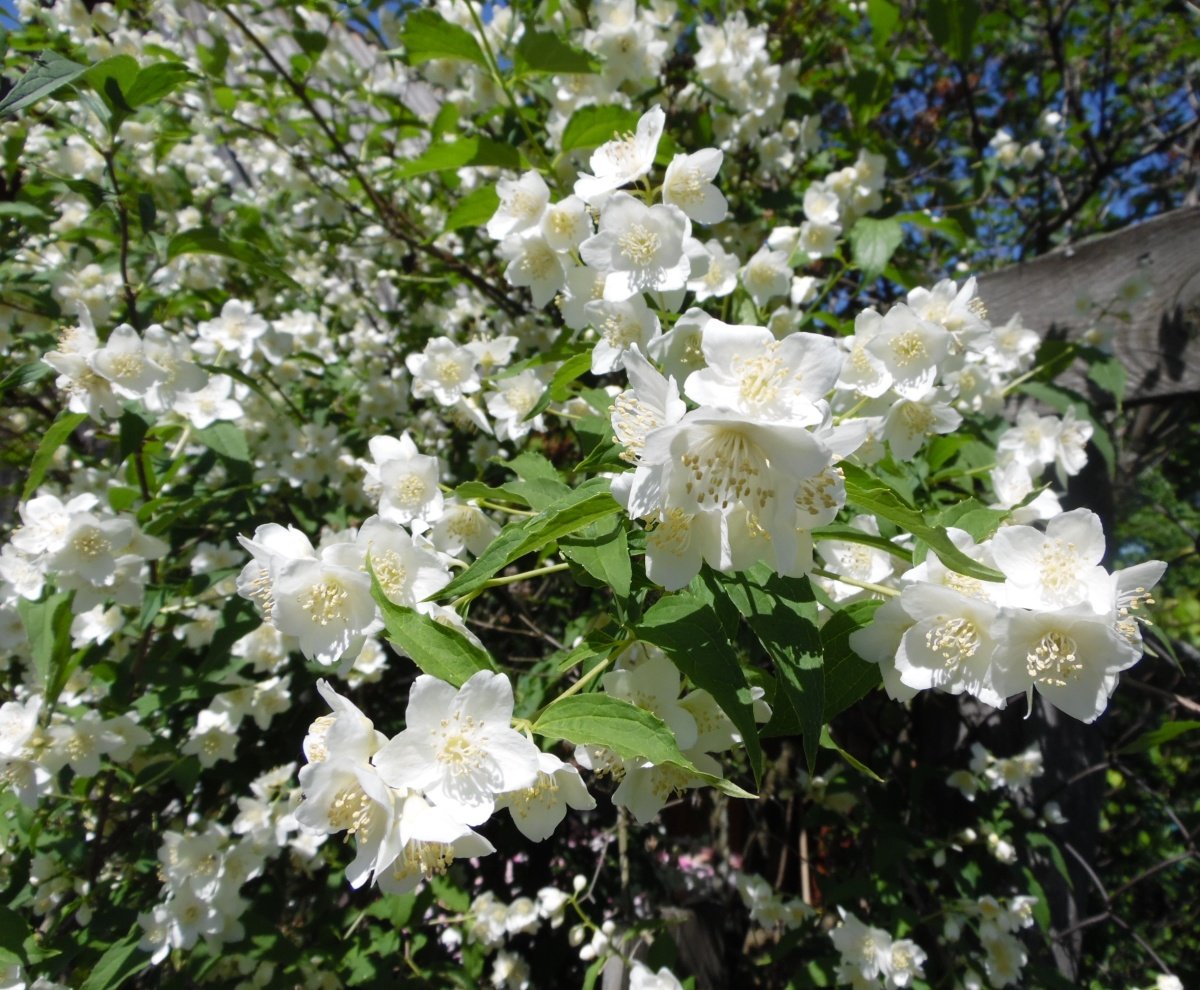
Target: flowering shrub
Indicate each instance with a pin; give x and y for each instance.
(468, 458)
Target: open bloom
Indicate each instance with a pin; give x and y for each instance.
(639, 248)
(459, 747)
(623, 159)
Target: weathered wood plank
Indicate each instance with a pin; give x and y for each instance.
(1069, 290)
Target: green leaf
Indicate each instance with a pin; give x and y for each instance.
(1039, 840)
(688, 630)
(843, 533)
(120, 961)
(1156, 737)
(584, 505)
(848, 677)
(828, 743)
(873, 242)
(450, 155)
(782, 614)
(48, 626)
(1110, 376)
(207, 240)
(884, 17)
(952, 24)
(872, 495)
(438, 649)
(50, 74)
(602, 549)
(947, 227)
(474, 209)
(52, 439)
(542, 51)
(156, 81)
(26, 374)
(427, 35)
(559, 388)
(225, 440)
(132, 431)
(631, 732)
(590, 127)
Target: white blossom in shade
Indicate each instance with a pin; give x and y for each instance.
(952, 644)
(23, 575)
(623, 159)
(906, 962)
(652, 401)
(403, 480)
(124, 363)
(818, 240)
(642, 977)
(678, 543)
(639, 248)
(621, 326)
(855, 560)
(96, 625)
(342, 795)
(1005, 958)
(865, 950)
(522, 205)
(534, 264)
(271, 546)
(18, 728)
(325, 603)
(345, 734)
(45, 520)
(213, 738)
(1014, 346)
(180, 372)
(567, 224)
(463, 525)
(458, 747)
(715, 275)
(1131, 594)
(680, 350)
(651, 681)
(821, 204)
(1070, 452)
(429, 840)
(512, 399)
(92, 547)
(688, 184)
(494, 353)
(957, 309)
(583, 285)
(538, 810)
(767, 275)
(750, 372)
(236, 331)
(1072, 658)
(87, 391)
(646, 788)
(878, 642)
(208, 404)
(910, 422)
(443, 370)
(911, 349)
(406, 567)
(1058, 568)
(1033, 441)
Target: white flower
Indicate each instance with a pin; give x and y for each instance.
(622, 326)
(641, 977)
(716, 274)
(911, 349)
(688, 184)
(567, 224)
(767, 275)
(407, 570)
(443, 370)
(639, 248)
(522, 204)
(405, 480)
(752, 373)
(623, 159)
(538, 810)
(458, 746)
(326, 604)
(207, 405)
(430, 839)
(909, 422)
(534, 263)
(1058, 568)
(125, 364)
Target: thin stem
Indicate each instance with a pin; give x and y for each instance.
(579, 685)
(879, 589)
(525, 575)
(123, 222)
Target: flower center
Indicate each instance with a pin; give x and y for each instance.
(726, 466)
(1059, 564)
(908, 347)
(686, 185)
(639, 244)
(325, 602)
(390, 572)
(350, 809)
(621, 332)
(1054, 661)
(90, 544)
(409, 490)
(955, 640)
(761, 378)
